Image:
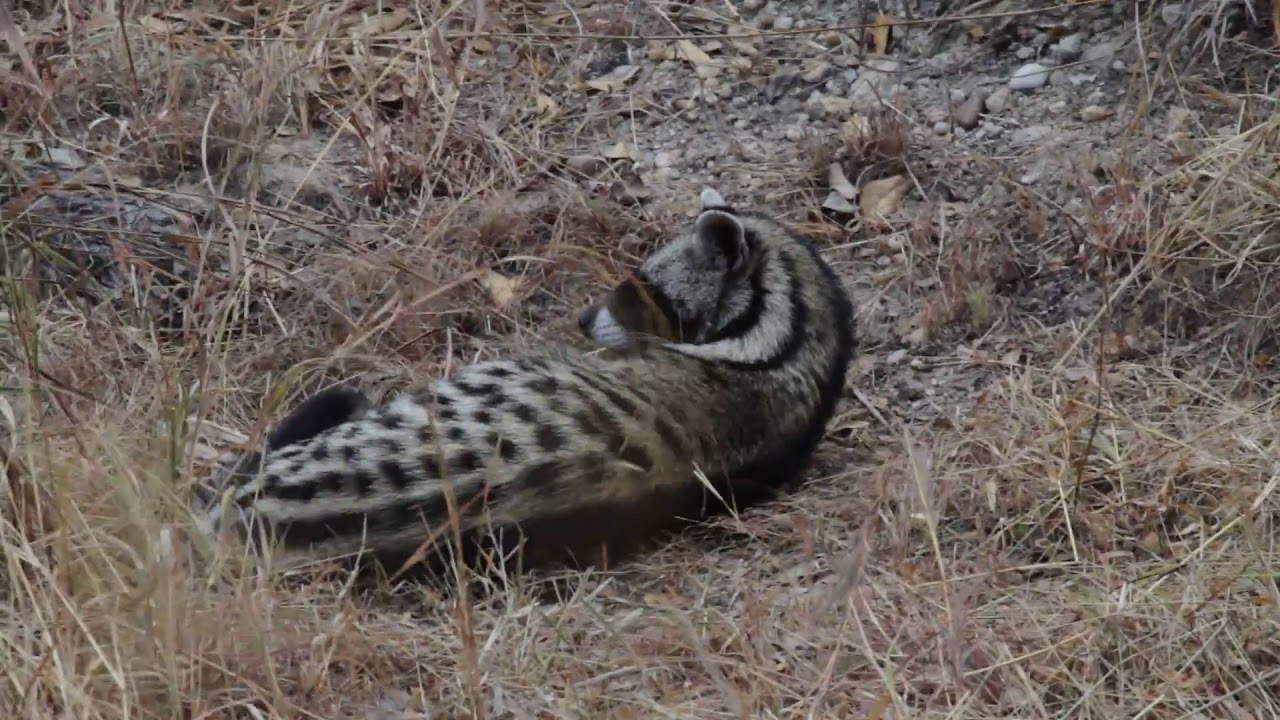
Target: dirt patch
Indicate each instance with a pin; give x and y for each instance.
(1050, 487)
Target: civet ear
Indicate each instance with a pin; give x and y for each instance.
(722, 238)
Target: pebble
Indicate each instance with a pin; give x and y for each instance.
(1068, 50)
(958, 96)
(794, 133)
(1094, 113)
(998, 100)
(1101, 54)
(941, 127)
(753, 5)
(817, 73)
(1058, 107)
(784, 22)
(1029, 77)
(1031, 134)
(968, 113)
(1025, 53)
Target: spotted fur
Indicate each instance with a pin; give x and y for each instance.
(724, 353)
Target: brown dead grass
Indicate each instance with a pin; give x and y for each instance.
(1094, 537)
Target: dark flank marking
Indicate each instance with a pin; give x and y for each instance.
(545, 385)
(465, 461)
(351, 432)
(499, 372)
(297, 492)
(271, 483)
(391, 421)
(363, 482)
(349, 453)
(484, 417)
(320, 452)
(477, 389)
(295, 468)
(430, 465)
(392, 447)
(548, 439)
(625, 405)
(495, 400)
(524, 413)
(541, 476)
(443, 401)
(332, 482)
(636, 455)
(395, 474)
(424, 435)
(448, 414)
(508, 450)
(455, 434)
(670, 436)
(594, 466)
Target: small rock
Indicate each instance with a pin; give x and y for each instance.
(662, 159)
(1058, 107)
(794, 133)
(817, 73)
(968, 113)
(851, 75)
(998, 100)
(1029, 77)
(941, 127)
(1172, 13)
(1058, 78)
(1094, 113)
(1031, 134)
(753, 5)
(936, 115)
(896, 357)
(1025, 53)
(958, 96)
(834, 105)
(784, 22)
(1068, 50)
(1100, 55)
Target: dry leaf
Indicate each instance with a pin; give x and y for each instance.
(586, 164)
(630, 188)
(622, 151)
(703, 64)
(616, 80)
(835, 202)
(694, 54)
(502, 289)
(855, 130)
(546, 108)
(838, 182)
(882, 33)
(881, 197)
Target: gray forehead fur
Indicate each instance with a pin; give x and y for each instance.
(696, 277)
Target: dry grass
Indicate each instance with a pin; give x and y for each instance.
(1095, 537)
